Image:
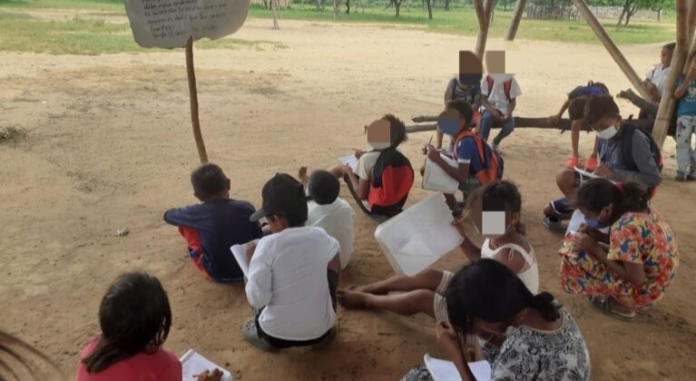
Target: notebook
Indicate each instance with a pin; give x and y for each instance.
(194, 364)
(442, 370)
(349, 160)
(239, 252)
(436, 179)
(578, 219)
(584, 173)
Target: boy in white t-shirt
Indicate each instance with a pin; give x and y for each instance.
(499, 99)
(293, 274)
(328, 211)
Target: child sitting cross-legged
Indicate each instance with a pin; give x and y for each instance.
(423, 292)
(293, 273)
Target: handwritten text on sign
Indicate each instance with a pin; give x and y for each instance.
(170, 23)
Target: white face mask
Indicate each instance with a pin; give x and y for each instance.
(608, 133)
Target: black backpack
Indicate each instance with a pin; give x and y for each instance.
(627, 147)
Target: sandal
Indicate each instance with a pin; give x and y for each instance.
(604, 305)
(251, 335)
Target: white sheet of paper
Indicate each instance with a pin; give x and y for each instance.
(443, 370)
(436, 179)
(578, 219)
(350, 160)
(239, 252)
(418, 236)
(170, 23)
(193, 364)
(586, 174)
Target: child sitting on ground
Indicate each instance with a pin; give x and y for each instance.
(577, 117)
(328, 211)
(384, 176)
(135, 319)
(216, 224)
(686, 123)
(499, 99)
(423, 292)
(478, 164)
(293, 273)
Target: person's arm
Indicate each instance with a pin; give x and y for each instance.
(361, 186)
(648, 171)
(488, 106)
(684, 85)
(180, 216)
(511, 108)
(628, 271)
(472, 252)
(557, 118)
(460, 173)
(259, 287)
(449, 91)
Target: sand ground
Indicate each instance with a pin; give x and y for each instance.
(109, 146)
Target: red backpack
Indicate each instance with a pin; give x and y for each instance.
(492, 164)
(392, 180)
(507, 85)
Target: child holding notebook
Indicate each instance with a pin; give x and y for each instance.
(293, 274)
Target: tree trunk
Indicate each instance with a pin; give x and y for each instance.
(623, 13)
(397, 6)
(430, 10)
(484, 25)
(318, 4)
(335, 9)
(275, 19)
(347, 7)
(613, 50)
(630, 14)
(447, 3)
(691, 22)
(516, 19)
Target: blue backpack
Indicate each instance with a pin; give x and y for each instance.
(592, 90)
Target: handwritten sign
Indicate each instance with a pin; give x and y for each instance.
(170, 23)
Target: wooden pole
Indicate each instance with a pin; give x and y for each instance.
(541, 123)
(484, 24)
(275, 19)
(193, 93)
(668, 103)
(516, 19)
(614, 51)
(691, 22)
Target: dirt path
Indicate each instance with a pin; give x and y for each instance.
(109, 146)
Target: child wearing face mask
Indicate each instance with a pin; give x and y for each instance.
(477, 163)
(423, 292)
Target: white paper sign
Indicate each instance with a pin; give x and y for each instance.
(170, 23)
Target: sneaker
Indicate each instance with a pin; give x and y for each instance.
(572, 162)
(680, 178)
(591, 164)
(552, 223)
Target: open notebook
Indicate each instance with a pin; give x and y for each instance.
(436, 179)
(350, 160)
(194, 364)
(239, 252)
(442, 370)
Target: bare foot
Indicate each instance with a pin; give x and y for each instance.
(302, 174)
(352, 299)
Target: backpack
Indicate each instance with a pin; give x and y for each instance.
(627, 150)
(392, 180)
(492, 165)
(593, 90)
(507, 85)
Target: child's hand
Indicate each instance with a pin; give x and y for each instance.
(603, 171)
(215, 375)
(433, 154)
(505, 117)
(251, 248)
(554, 119)
(459, 225)
(586, 243)
(497, 115)
(448, 340)
(359, 153)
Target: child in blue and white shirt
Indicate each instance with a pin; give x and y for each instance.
(686, 123)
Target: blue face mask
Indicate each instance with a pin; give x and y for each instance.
(448, 126)
(594, 224)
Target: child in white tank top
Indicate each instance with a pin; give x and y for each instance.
(424, 292)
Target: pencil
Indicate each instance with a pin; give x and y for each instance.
(431, 139)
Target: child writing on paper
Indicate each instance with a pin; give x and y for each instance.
(135, 319)
(328, 211)
(478, 164)
(526, 337)
(293, 274)
(213, 226)
(424, 292)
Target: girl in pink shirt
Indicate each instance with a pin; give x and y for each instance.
(135, 319)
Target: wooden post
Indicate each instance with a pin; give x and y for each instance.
(614, 51)
(691, 22)
(667, 104)
(484, 24)
(193, 93)
(275, 19)
(516, 18)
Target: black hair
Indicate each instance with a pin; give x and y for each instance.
(21, 361)
(577, 106)
(134, 316)
(397, 130)
(488, 290)
(597, 194)
(295, 215)
(208, 181)
(671, 46)
(599, 107)
(464, 109)
(323, 187)
(501, 190)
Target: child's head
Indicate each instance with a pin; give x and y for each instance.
(210, 183)
(496, 209)
(284, 203)
(603, 116)
(603, 202)
(576, 108)
(387, 132)
(134, 316)
(486, 297)
(456, 118)
(323, 187)
(666, 54)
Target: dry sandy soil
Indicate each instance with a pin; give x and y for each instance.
(109, 146)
